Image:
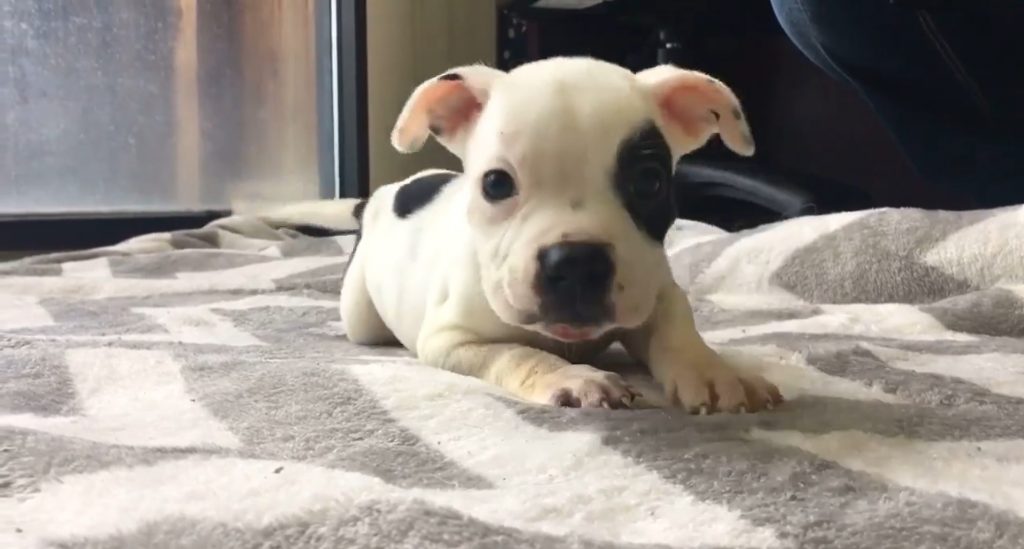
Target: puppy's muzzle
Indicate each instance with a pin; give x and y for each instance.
(574, 281)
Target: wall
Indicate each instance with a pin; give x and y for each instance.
(409, 41)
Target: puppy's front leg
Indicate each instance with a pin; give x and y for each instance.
(529, 373)
(692, 373)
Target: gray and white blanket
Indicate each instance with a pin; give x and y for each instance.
(195, 389)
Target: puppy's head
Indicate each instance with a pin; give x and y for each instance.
(569, 195)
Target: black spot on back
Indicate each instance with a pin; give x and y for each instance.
(419, 192)
(450, 76)
(641, 152)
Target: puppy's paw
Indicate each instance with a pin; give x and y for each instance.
(582, 386)
(714, 386)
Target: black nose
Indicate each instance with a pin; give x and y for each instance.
(574, 282)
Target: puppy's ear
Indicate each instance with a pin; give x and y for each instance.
(693, 107)
(447, 107)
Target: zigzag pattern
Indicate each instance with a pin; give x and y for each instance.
(194, 390)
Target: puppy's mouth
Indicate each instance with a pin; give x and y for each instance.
(563, 331)
(576, 327)
(573, 334)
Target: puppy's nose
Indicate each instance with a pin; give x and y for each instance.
(574, 279)
(577, 267)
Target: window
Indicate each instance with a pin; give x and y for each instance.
(171, 107)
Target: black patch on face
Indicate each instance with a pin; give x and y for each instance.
(450, 76)
(643, 158)
(419, 192)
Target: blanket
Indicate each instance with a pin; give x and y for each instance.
(195, 389)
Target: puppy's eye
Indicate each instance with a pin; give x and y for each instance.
(648, 181)
(498, 185)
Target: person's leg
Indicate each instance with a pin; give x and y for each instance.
(948, 83)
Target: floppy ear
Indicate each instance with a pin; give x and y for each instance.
(447, 107)
(693, 107)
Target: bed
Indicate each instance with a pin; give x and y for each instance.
(195, 389)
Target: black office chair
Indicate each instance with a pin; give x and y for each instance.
(710, 186)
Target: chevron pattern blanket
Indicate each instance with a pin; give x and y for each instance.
(195, 389)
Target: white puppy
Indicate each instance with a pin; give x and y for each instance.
(549, 246)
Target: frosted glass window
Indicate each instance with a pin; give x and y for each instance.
(161, 105)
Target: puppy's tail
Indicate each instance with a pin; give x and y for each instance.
(315, 217)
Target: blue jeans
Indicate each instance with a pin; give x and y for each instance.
(948, 82)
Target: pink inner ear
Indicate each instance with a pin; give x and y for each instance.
(688, 105)
(695, 107)
(449, 106)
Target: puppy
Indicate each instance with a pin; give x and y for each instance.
(549, 246)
